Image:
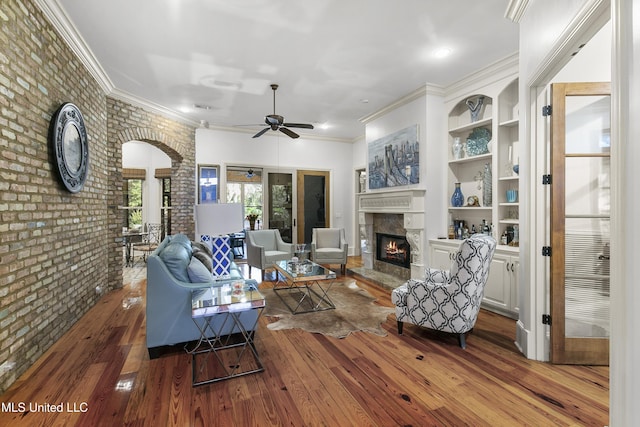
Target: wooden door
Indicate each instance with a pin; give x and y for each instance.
(313, 197)
(580, 222)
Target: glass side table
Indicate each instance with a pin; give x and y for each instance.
(217, 311)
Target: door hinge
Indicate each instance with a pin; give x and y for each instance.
(546, 110)
(546, 319)
(546, 251)
(546, 179)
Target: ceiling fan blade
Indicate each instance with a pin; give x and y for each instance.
(261, 132)
(289, 133)
(298, 125)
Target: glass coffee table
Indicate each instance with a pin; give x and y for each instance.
(303, 286)
(216, 311)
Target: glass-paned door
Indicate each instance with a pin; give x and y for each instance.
(580, 222)
(281, 204)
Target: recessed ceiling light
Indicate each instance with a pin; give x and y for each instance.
(323, 126)
(364, 101)
(184, 109)
(442, 52)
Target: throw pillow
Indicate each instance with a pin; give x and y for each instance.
(198, 273)
(182, 240)
(204, 258)
(203, 246)
(176, 257)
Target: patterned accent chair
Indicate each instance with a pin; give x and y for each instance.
(448, 300)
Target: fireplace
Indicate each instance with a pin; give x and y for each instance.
(398, 213)
(393, 249)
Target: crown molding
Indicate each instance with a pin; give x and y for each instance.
(56, 15)
(151, 106)
(516, 9)
(490, 74)
(418, 93)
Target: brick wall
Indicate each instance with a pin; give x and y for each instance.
(128, 123)
(56, 247)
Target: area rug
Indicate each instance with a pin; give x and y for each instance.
(355, 311)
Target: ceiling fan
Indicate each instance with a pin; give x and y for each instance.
(276, 122)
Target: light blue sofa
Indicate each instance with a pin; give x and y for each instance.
(170, 280)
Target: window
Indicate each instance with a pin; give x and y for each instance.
(132, 190)
(132, 180)
(165, 211)
(244, 186)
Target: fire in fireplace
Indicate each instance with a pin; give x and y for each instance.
(393, 249)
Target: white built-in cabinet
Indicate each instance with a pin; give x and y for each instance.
(501, 290)
(499, 115)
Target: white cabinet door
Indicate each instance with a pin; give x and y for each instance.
(515, 265)
(501, 290)
(441, 257)
(497, 291)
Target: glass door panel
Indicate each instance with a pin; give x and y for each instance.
(281, 204)
(580, 223)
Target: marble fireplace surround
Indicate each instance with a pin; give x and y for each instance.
(408, 203)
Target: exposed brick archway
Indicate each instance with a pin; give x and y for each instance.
(130, 123)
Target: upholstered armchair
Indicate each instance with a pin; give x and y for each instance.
(448, 300)
(328, 246)
(264, 247)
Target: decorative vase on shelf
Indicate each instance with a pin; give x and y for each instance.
(487, 186)
(457, 198)
(516, 169)
(457, 148)
(474, 107)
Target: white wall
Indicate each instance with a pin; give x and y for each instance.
(140, 155)
(550, 32)
(436, 173)
(625, 268)
(274, 150)
(544, 24)
(536, 52)
(427, 111)
(592, 63)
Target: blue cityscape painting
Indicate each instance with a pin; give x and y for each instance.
(395, 159)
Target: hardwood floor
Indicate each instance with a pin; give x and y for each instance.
(101, 374)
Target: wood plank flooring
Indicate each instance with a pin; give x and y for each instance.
(101, 374)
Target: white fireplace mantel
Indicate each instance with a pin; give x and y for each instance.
(409, 203)
(401, 201)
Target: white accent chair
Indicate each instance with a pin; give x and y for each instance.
(328, 246)
(448, 300)
(264, 247)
